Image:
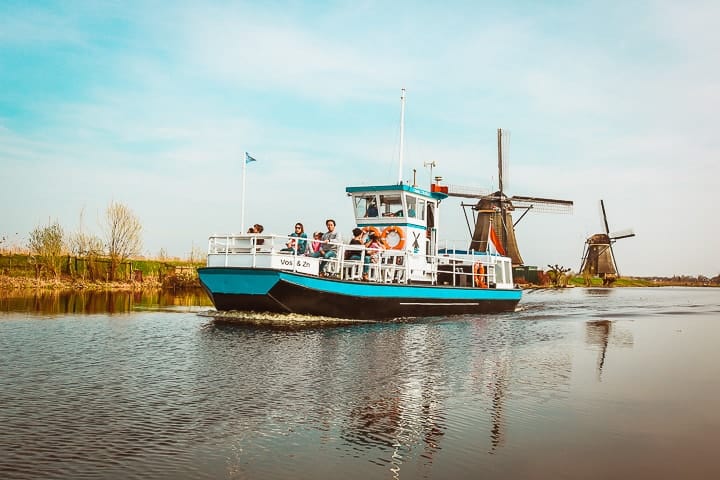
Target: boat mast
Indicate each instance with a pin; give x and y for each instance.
(402, 134)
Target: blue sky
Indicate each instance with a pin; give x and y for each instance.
(152, 104)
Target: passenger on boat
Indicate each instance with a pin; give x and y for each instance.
(373, 247)
(298, 240)
(257, 228)
(315, 245)
(329, 250)
(352, 253)
(372, 255)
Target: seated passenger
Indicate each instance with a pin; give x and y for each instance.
(298, 240)
(329, 247)
(352, 254)
(314, 247)
(257, 228)
(372, 255)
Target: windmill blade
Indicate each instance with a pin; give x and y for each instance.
(627, 233)
(467, 192)
(546, 205)
(503, 159)
(604, 217)
(584, 259)
(612, 255)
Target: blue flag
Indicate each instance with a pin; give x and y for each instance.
(248, 158)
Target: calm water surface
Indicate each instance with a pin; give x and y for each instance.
(581, 383)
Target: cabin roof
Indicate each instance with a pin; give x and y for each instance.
(397, 187)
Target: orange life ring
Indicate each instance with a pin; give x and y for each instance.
(396, 230)
(479, 275)
(376, 232)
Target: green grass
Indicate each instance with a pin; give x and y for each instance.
(21, 265)
(579, 281)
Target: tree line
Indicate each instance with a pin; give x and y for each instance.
(121, 240)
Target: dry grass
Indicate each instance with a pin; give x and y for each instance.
(28, 283)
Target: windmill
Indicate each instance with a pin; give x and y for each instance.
(598, 257)
(496, 208)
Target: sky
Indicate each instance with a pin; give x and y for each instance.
(153, 104)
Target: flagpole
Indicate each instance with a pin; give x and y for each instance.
(242, 200)
(402, 134)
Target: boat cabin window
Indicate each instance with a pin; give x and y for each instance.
(421, 209)
(391, 206)
(411, 206)
(365, 206)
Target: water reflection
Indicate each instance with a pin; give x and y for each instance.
(599, 332)
(94, 302)
(599, 292)
(385, 392)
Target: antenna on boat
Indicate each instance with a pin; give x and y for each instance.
(430, 164)
(402, 133)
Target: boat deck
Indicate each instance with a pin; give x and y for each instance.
(450, 267)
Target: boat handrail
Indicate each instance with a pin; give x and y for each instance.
(389, 266)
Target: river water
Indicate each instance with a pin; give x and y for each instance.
(577, 383)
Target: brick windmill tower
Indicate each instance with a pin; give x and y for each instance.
(598, 257)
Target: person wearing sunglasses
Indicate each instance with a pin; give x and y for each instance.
(298, 240)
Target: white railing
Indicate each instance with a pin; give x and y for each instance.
(387, 266)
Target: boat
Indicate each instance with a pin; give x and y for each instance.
(415, 274)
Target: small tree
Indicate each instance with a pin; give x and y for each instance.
(89, 247)
(46, 247)
(123, 235)
(558, 275)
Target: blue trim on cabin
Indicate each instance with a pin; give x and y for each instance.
(380, 226)
(398, 187)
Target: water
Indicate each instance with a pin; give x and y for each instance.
(618, 383)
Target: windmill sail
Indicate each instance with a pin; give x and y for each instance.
(496, 208)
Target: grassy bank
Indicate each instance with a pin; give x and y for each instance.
(20, 271)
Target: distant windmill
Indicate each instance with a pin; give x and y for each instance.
(497, 208)
(598, 257)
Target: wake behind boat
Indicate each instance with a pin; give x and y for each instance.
(415, 274)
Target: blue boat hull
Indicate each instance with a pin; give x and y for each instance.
(268, 290)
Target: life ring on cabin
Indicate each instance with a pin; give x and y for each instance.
(393, 229)
(378, 236)
(479, 275)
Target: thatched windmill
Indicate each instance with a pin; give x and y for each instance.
(496, 208)
(598, 258)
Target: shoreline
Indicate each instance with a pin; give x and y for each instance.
(20, 283)
(9, 284)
